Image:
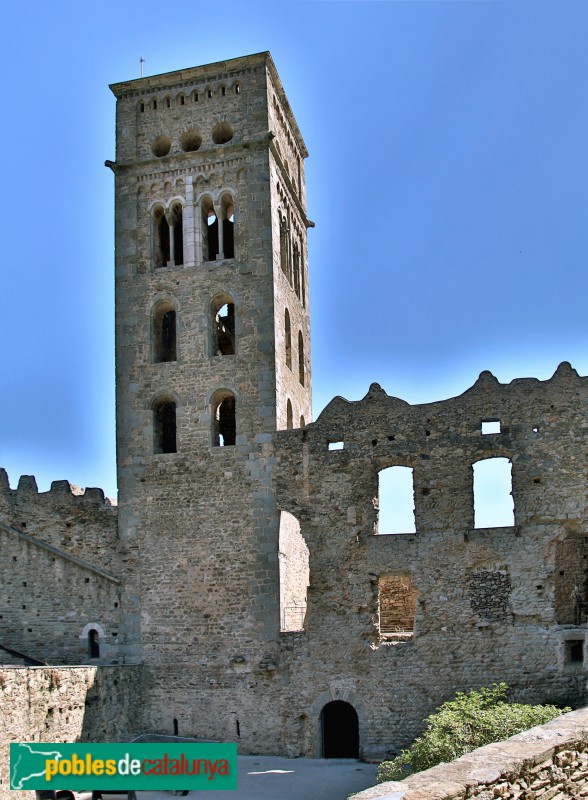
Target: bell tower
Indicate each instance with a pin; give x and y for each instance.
(212, 357)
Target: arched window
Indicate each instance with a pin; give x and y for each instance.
(228, 226)
(284, 245)
(296, 270)
(93, 644)
(395, 501)
(161, 238)
(164, 427)
(301, 368)
(224, 416)
(209, 231)
(178, 234)
(302, 284)
(289, 416)
(164, 333)
(493, 502)
(288, 338)
(302, 422)
(223, 326)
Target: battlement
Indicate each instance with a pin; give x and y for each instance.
(59, 492)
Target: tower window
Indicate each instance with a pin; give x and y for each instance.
(228, 212)
(289, 416)
(210, 231)
(237, 89)
(288, 337)
(164, 333)
(301, 367)
(164, 427)
(161, 237)
(178, 233)
(223, 326)
(296, 270)
(93, 644)
(224, 419)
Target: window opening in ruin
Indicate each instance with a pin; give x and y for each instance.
(164, 333)
(301, 367)
(168, 102)
(395, 501)
(237, 89)
(228, 227)
(182, 99)
(223, 325)
(210, 231)
(164, 427)
(490, 426)
(223, 91)
(224, 420)
(142, 108)
(176, 727)
(340, 729)
(571, 580)
(493, 502)
(209, 93)
(575, 651)
(178, 235)
(289, 416)
(336, 445)
(397, 602)
(155, 105)
(162, 238)
(93, 645)
(302, 422)
(288, 338)
(294, 566)
(195, 97)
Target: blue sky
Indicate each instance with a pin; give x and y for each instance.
(447, 180)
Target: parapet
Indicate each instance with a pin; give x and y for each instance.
(60, 492)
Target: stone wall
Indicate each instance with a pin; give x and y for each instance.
(88, 704)
(549, 762)
(61, 566)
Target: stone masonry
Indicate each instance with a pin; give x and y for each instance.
(244, 568)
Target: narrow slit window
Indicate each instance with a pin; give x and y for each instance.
(395, 501)
(289, 416)
(493, 501)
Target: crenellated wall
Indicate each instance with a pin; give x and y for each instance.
(62, 572)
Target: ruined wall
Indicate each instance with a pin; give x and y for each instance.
(548, 762)
(89, 704)
(489, 600)
(61, 572)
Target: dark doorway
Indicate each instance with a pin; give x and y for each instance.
(340, 730)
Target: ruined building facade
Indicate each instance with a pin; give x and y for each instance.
(244, 568)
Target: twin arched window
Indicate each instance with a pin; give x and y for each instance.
(218, 237)
(168, 236)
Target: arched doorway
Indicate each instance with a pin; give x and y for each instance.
(340, 728)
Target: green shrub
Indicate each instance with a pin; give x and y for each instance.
(458, 726)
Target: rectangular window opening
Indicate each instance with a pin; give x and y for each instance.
(490, 426)
(336, 445)
(397, 602)
(575, 651)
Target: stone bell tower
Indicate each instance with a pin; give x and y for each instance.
(212, 357)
